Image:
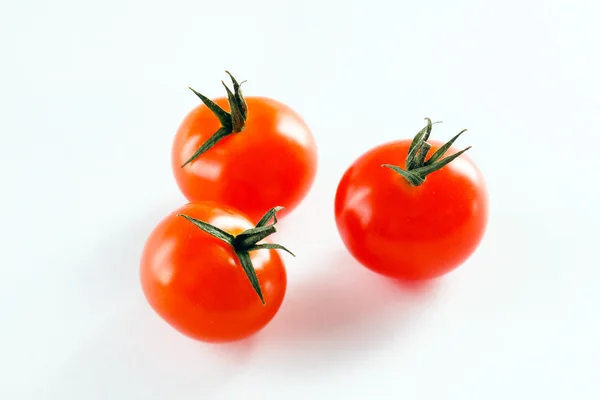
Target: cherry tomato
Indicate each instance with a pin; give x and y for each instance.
(196, 281)
(416, 230)
(267, 155)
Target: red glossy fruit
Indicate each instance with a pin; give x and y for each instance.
(248, 153)
(204, 272)
(416, 220)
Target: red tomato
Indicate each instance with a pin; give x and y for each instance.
(271, 160)
(195, 281)
(406, 230)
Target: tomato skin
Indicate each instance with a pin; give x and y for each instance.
(195, 282)
(410, 232)
(272, 161)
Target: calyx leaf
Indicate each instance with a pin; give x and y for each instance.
(246, 242)
(232, 122)
(417, 164)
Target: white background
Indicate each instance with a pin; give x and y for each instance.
(91, 94)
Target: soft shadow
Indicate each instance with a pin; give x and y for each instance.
(238, 352)
(417, 287)
(339, 307)
(345, 302)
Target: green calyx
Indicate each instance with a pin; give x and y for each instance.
(232, 122)
(246, 242)
(417, 164)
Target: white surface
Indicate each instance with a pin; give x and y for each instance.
(92, 93)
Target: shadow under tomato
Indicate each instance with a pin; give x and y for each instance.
(346, 304)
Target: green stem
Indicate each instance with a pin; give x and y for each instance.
(417, 167)
(231, 122)
(246, 242)
(220, 134)
(420, 158)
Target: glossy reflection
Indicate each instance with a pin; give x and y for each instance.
(271, 162)
(196, 283)
(410, 232)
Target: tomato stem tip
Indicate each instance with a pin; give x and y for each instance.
(231, 122)
(246, 242)
(417, 164)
